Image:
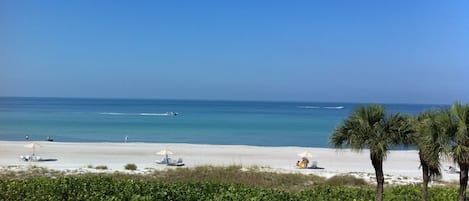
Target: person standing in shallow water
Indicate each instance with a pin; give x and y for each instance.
(126, 138)
(26, 137)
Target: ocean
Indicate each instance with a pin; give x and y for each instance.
(260, 123)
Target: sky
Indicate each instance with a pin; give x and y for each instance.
(328, 51)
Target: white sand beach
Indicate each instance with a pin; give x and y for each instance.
(401, 167)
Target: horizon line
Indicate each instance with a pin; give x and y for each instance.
(226, 100)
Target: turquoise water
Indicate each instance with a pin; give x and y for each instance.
(202, 122)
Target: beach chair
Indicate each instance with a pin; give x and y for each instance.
(36, 158)
(453, 170)
(31, 158)
(179, 162)
(314, 165)
(24, 158)
(164, 160)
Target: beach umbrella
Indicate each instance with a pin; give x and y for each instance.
(33, 146)
(165, 152)
(305, 154)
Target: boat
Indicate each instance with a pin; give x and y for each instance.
(171, 113)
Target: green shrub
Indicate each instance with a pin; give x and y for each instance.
(345, 180)
(200, 183)
(107, 187)
(414, 192)
(130, 166)
(101, 167)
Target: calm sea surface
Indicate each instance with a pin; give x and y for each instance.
(205, 122)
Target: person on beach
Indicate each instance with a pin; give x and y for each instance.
(453, 170)
(26, 137)
(49, 138)
(303, 164)
(126, 138)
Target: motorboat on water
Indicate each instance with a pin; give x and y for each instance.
(171, 113)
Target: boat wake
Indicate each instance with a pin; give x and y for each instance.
(154, 114)
(140, 114)
(112, 113)
(337, 107)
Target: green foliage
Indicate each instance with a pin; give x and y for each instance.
(369, 127)
(130, 166)
(235, 174)
(332, 193)
(413, 192)
(433, 129)
(99, 187)
(101, 167)
(345, 180)
(460, 142)
(229, 174)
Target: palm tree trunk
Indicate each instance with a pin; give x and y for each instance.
(378, 165)
(425, 176)
(463, 181)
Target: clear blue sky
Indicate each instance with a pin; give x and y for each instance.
(341, 51)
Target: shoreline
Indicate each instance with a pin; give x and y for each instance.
(401, 166)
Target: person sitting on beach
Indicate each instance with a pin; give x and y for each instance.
(303, 164)
(49, 138)
(452, 169)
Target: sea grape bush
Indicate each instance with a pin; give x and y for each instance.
(414, 192)
(108, 188)
(130, 166)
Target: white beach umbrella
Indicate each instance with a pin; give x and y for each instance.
(306, 154)
(165, 152)
(33, 146)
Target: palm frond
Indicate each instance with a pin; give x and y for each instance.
(460, 133)
(369, 127)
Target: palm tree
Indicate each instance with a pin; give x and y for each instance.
(432, 129)
(460, 144)
(369, 127)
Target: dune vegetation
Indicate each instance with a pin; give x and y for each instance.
(200, 183)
